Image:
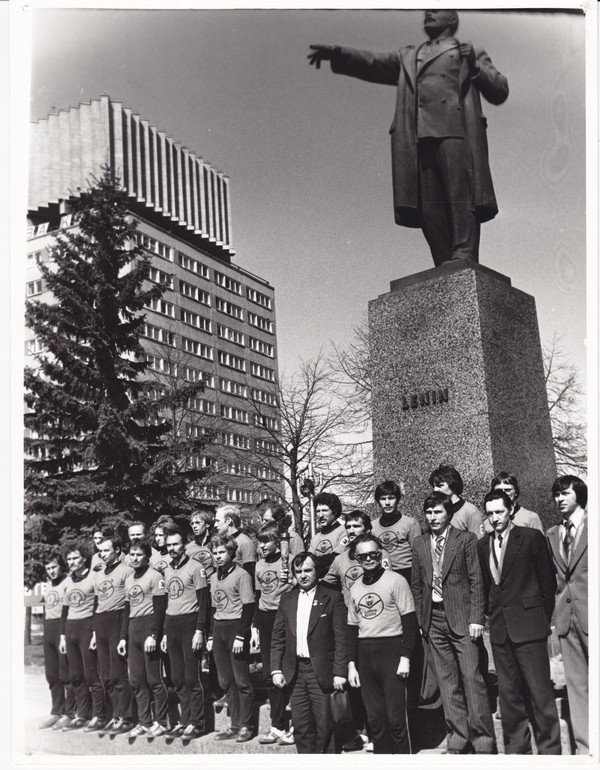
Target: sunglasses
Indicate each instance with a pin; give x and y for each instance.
(361, 558)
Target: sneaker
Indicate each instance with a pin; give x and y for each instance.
(63, 722)
(287, 739)
(76, 724)
(244, 735)
(370, 746)
(139, 731)
(48, 723)
(157, 731)
(271, 737)
(121, 725)
(175, 731)
(95, 723)
(228, 734)
(191, 732)
(107, 728)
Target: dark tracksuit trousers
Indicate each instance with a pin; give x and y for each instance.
(145, 674)
(57, 671)
(83, 669)
(185, 667)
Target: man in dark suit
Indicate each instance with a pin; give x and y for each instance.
(447, 587)
(520, 586)
(309, 654)
(440, 172)
(569, 546)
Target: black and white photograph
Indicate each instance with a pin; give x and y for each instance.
(304, 311)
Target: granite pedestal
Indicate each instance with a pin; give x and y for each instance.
(458, 377)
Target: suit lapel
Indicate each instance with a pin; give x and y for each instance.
(554, 539)
(581, 545)
(427, 559)
(449, 551)
(515, 541)
(294, 611)
(319, 602)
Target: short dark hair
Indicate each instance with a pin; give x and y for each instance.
(115, 538)
(279, 514)
(55, 555)
(366, 538)
(175, 530)
(269, 533)
(144, 544)
(223, 541)
(578, 485)
(498, 494)
(301, 557)
(387, 488)
(438, 498)
(505, 478)
(330, 500)
(447, 473)
(361, 516)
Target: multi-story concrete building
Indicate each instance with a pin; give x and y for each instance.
(215, 321)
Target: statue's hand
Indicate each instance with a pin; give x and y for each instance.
(468, 52)
(320, 53)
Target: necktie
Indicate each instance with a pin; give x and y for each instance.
(500, 542)
(437, 577)
(439, 545)
(568, 539)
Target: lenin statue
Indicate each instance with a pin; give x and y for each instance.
(440, 172)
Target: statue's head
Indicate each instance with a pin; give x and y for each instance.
(436, 23)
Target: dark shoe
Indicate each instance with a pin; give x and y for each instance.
(94, 724)
(220, 704)
(191, 732)
(244, 735)
(355, 744)
(228, 734)
(121, 726)
(108, 726)
(175, 731)
(77, 724)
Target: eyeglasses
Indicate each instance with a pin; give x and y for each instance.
(361, 558)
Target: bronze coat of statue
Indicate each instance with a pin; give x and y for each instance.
(440, 171)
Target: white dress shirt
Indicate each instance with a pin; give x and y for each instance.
(305, 603)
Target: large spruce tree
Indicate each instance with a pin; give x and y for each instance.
(98, 445)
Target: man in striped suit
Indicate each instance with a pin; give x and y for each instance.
(447, 586)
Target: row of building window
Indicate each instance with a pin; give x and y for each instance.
(224, 492)
(232, 387)
(226, 359)
(232, 335)
(197, 348)
(194, 266)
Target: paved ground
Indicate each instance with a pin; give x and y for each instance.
(428, 734)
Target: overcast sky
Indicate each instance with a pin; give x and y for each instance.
(308, 151)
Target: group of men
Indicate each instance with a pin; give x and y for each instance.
(344, 625)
